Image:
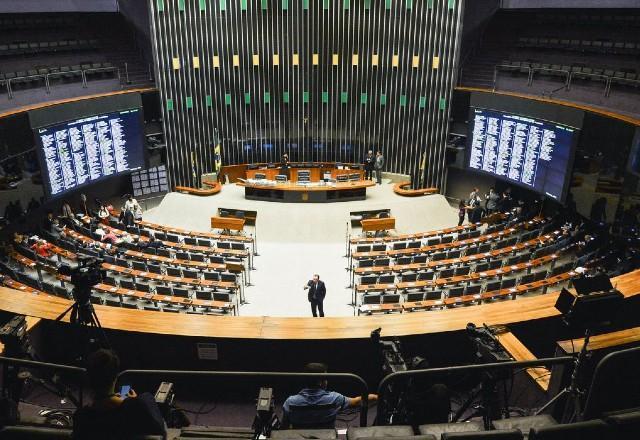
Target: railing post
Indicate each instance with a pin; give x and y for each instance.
(84, 79)
(46, 83)
(126, 73)
(9, 91)
(569, 81)
(530, 82)
(150, 74)
(495, 77)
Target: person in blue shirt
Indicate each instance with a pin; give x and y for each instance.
(314, 406)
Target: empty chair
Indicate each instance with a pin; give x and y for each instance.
(164, 290)
(409, 277)
(173, 238)
(439, 256)
(191, 240)
(390, 299)
(404, 260)
(130, 305)
(122, 262)
(170, 309)
(492, 286)
(495, 264)
(507, 283)
(369, 279)
(473, 289)
(139, 265)
(371, 299)
(387, 279)
(538, 276)
(125, 284)
(223, 245)
(222, 296)
(365, 263)
(382, 262)
(420, 259)
(526, 279)
(506, 434)
(204, 242)
(455, 292)
(204, 295)
(189, 273)
(433, 241)
(592, 429)
(483, 248)
(447, 239)
(379, 247)
(198, 257)
(426, 276)
(363, 248)
(238, 246)
(228, 277)
(112, 302)
(211, 276)
(154, 268)
(164, 252)
(481, 267)
(454, 254)
(183, 256)
(216, 259)
(143, 287)
(415, 296)
(400, 245)
(110, 281)
(446, 273)
(414, 245)
(181, 292)
(462, 270)
(433, 295)
(174, 271)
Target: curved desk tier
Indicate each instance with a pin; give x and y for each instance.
(273, 328)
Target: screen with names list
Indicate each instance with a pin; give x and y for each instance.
(83, 151)
(526, 151)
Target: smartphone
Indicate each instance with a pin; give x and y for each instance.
(124, 391)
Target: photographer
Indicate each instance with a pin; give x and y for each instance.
(112, 416)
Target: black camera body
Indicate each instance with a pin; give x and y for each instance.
(88, 274)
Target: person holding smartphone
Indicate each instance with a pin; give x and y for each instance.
(114, 415)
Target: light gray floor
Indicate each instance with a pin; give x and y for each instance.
(297, 240)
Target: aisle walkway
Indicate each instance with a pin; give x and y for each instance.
(297, 240)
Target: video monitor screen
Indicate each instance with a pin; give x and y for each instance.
(529, 152)
(83, 151)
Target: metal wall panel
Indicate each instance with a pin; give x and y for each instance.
(259, 104)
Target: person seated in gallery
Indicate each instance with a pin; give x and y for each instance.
(314, 407)
(110, 415)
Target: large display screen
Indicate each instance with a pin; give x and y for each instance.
(529, 152)
(83, 151)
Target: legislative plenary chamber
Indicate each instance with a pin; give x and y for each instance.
(320, 219)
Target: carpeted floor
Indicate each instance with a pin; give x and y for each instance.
(296, 240)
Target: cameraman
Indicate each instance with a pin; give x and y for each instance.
(112, 416)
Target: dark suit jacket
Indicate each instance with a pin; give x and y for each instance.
(321, 291)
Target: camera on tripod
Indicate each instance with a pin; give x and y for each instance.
(488, 350)
(86, 275)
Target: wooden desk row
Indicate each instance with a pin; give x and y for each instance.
(188, 233)
(441, 282)
(414, 267)
(135, 273)
(120, 292)
(189, 247)
(441, 246)
(416, 236)
(511, 292)
(152, 257)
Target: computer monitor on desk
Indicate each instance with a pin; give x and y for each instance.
(342, 178)
(354, 177)
(260, 176)
(281, 178)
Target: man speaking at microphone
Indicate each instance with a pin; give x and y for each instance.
(317, 292)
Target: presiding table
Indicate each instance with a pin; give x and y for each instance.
(314, 192)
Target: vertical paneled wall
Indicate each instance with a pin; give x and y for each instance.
(321, 80)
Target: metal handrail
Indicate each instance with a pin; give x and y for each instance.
(349, 376)
(47, 365)
(607, 79)
(548, 69)
(383, 386)
(495, 72)
(47, 76)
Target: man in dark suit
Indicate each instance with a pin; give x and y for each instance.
(317, 292)
(369, 165)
